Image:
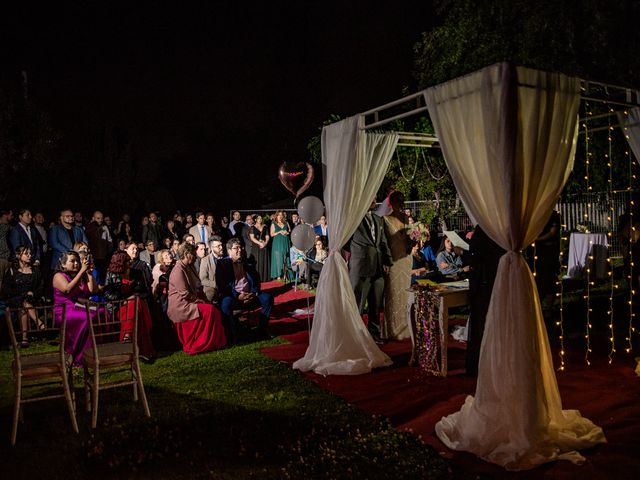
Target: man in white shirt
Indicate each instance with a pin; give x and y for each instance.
(200, 230)
(321, 227)
(235, 219)
(24, 234)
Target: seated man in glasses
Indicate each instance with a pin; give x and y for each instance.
(238, 285)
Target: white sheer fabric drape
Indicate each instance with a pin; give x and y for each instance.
(356, 163)
(508, 137)
(630, 123)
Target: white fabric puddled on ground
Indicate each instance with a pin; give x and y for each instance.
(356, 163)
(508, 136)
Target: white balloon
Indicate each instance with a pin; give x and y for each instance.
(303, 237)
(310, 209)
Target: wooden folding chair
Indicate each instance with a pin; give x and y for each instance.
(114, 348)
(45, 363)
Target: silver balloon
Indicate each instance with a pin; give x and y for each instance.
(303, 237)
(310, 209)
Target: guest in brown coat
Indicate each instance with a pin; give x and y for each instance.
(198, 324)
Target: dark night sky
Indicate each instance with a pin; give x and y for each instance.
(226, 91)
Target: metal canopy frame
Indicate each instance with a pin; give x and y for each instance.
(415, 103)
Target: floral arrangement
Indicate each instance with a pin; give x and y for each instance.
(418, 232)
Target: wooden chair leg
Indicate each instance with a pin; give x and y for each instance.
(16, 410)
(134, 377)
(72, 388)
(87, 391)
(94, 399)
(143, 395)
(70, 402)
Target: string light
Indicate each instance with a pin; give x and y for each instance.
(560, 321)
(609, 158)
(632, 229)
(587, 215)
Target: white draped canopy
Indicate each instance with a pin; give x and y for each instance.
(508, 136)
(356, 163)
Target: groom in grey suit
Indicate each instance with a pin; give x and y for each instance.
(370, 259)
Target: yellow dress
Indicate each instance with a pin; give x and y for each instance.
(396, 325)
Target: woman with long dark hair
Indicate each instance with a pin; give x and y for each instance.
(259, 235)
(73, 284)
(26, 288)
(448, 260)
(122, 282)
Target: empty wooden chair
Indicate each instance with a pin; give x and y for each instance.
(40, 363)
(114, 348)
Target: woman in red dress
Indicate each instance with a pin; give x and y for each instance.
(198, 324)
(121, 283)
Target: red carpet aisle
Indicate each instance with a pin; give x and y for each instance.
(609, 395)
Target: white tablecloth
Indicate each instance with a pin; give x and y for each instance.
(583, 245)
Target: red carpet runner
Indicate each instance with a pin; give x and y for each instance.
(609, 395)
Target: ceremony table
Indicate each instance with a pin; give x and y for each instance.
(429, 309)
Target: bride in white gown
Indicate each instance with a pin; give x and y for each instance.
(398, 280)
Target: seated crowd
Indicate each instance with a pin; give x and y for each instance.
(191, 274)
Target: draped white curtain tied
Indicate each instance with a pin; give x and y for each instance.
(508, 137)
(630, 124)
(356, 163)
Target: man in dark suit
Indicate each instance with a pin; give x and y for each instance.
(100, 243)
(239, 287)
(25, 234)
(63, 236)
(370, 259)
(152, 231)
(483, 257)
(242, 231)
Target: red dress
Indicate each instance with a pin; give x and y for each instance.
(202, 334)
(127, 313)
(198, 325)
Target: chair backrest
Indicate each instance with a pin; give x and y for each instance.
(46, 333)
(114, 321)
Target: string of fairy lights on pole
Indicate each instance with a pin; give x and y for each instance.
(560, 294)
(587, 215)
(610, 215)
(632, 229)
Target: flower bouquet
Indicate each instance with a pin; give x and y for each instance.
(418, 232)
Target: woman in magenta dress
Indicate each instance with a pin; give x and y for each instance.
(123, 282)
(198, 324)
(73, 284)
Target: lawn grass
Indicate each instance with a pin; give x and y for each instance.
(231, 414)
